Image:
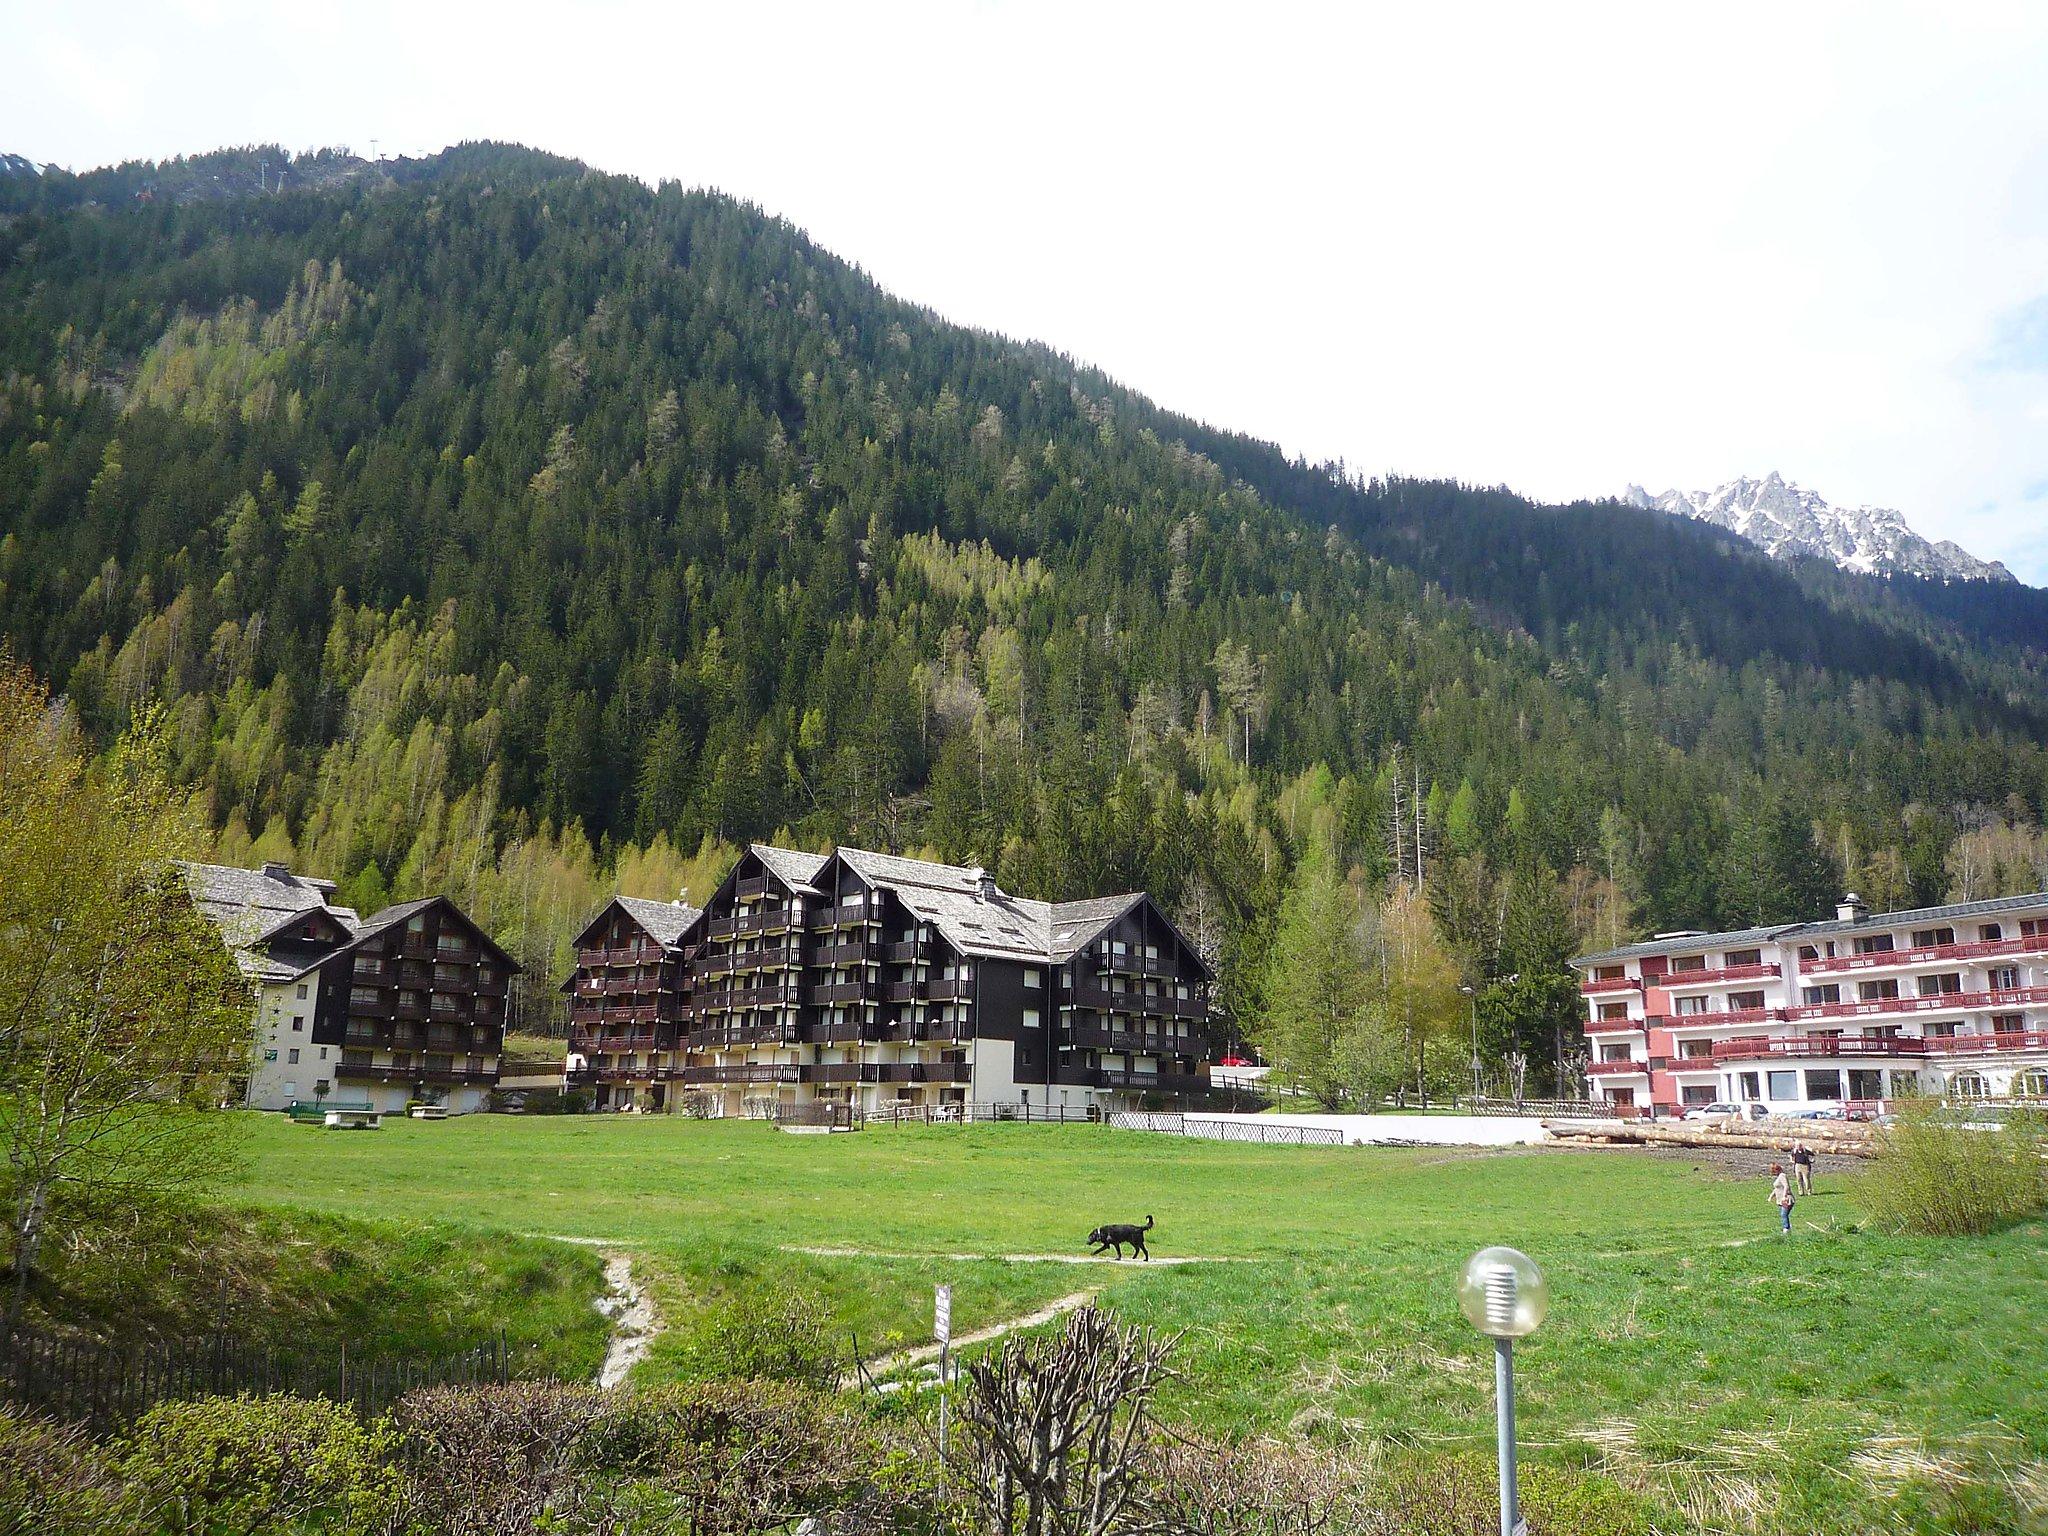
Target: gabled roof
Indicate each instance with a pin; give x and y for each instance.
(794, 869)
(1077, 924)
(1985, 908)
(250, 906)
(665, 921)
(383, 921)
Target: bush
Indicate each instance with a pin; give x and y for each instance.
(763, 1335)
(1939, 1173)
(498, 1459)
(54, 1482)
(227, 1465)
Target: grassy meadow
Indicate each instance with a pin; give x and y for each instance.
(1838, 1381)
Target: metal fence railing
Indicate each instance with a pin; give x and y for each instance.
(104, 1385)
(1261, 1132)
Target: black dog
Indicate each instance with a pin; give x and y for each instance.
(1121, 1233)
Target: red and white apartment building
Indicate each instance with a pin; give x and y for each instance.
(1943, 1000)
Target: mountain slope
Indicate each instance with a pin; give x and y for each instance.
(1785, 520)
(484, 497)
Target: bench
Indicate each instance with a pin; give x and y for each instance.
(353, 1119)
(429, 1111)
(311, 1112)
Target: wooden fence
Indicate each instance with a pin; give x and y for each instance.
(105, 1385)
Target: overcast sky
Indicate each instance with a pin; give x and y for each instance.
(1553, 247)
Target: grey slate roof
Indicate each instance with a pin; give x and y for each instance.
(665, 920)
(789, 866)
(249, 905)
(1784, 932)
(1076, 923)
(1678, 944)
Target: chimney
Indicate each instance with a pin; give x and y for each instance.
(984, 883)
(1851, 909)
(273, 870)
(683, 897)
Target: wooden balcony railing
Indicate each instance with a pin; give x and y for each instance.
(1621, 1068)
(1941, 1002)
(1983, 949)
(1598, 984)
(1714, 976)
(1763, 1047)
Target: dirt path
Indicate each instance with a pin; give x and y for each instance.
(633, 1319)
(888, 1365)
(830, 1251)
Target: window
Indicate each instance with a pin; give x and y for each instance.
(1614, 1053)
(1031, 1018)
(1942, 985)
(293, 1058)
(323, 1053)
(1808, 952)
(1824, 1085)
(2005, 978)
(1613, 1011)
(2008, 1024)
(1682, 963)
(1990, 933)
(302, 991)
(366, 996)
(1696, 1050)
(1745, 1000)
(1874, 944)
(1816, 997)
(1745, 957)
(1876, 991)
(1941, 1030)
(270, 1055)
(2030, 1084)
(1784, 1085)
(1609, 973)
(417, 923)
(1933, 938)
(1690, 1005)
(1032, 979)
(298, 1022)
(1703, 1094)
(1967, 1085)
(1747, 1083)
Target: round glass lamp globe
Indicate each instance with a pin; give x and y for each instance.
(1503, 1293)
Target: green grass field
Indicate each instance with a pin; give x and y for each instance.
(1840, 1381)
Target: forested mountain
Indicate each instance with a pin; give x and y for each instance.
(496, 525)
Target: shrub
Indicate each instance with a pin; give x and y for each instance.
(1941, 1174)
(227, 1465)
(774, 1335)
(54, 1482)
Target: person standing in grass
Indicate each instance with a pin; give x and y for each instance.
(1781, 1197)
(1802, 1166)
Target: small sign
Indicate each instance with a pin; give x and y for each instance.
(942, 1314)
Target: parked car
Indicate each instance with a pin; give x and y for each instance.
(1720, 1110)
(1823, 1112)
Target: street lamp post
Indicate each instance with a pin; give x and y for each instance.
(1473, 994)
(1504, 1296)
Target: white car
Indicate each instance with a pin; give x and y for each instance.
(1726, 1111)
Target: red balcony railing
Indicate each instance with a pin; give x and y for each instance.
(1713, 1017)
(1759, 1047)
(2026, 944)
(1615, 1068)
(1976, 1045)
(1940, 1002)
(1709, 978)
(1600, 984)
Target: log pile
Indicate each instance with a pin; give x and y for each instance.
(1844, 1138)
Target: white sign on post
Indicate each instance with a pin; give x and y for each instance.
(942, 1314)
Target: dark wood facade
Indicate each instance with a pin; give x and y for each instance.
(416, 1001)
(851, 976)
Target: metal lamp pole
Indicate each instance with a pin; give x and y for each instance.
(1472, 993)
(1505, 1296)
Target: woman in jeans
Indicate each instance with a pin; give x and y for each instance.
(1781, 1197)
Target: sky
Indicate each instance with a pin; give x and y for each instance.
(1559, 247)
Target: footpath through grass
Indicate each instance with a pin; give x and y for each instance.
(1839, 1381)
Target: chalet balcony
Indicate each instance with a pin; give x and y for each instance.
(1986, 949)
(745, 1072)
(615, 986)
(416, 1009)
(927, 1072)
(1125, 1081)
(1133, 965)
(845, 917)
(1765, 1047)
(1717, 1018)
(904, 951)
(736, 999)
(941, 991)
(753, 887)
(851, 1031)
(1596, 985)
(850, 952)
(610, 1042)
(1615, 1026)
(1105, 1001)
(1941, 1002)
(383, 1006)
(599, 1013)
(718, 1037)
(839, 992)
(846, 1072)
(1619, 1068)
(1718, 976)
(440, 1077)
(1984, 1045)
(1091, 1037)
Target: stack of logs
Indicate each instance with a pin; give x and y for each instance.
(1845, 1138)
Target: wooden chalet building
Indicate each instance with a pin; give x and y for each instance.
(867, 979)
(409, 1003)
(629, 1002)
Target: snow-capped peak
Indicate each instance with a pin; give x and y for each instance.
(1786, 521)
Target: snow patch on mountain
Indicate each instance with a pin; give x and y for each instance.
(1786, 521)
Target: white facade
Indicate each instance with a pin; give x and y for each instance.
(1950, 1001)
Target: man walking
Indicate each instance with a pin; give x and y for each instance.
(1802, 1166)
